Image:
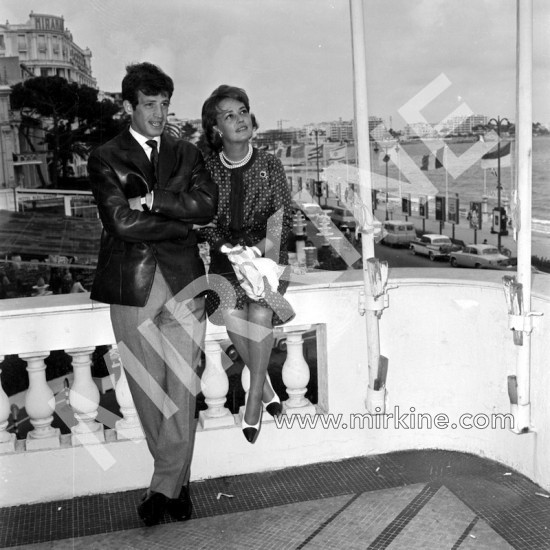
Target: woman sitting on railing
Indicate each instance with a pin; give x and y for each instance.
(253, 195)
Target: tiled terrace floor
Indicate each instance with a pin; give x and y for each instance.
(407, 500)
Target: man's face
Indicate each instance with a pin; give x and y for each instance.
(149, 116)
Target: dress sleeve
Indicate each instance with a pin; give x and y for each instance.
(281, 199)
(214, 234)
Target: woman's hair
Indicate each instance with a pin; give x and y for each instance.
(210, 112)
(147, 79)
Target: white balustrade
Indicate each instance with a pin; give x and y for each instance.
(296, 376)
(84, 399)
(214, 386)
(129, 426)
(7, 440)
(72, 322)
(40, 404)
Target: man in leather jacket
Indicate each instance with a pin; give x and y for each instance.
(151, 190)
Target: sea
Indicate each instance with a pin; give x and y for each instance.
(471, 185)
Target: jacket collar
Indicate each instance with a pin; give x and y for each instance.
(135, 152)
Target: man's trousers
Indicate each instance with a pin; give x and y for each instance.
(160, 346)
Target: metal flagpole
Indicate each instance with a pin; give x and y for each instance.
(446, 182)
(347, 163)
(399, 172)
(373, 299)
(522, 319)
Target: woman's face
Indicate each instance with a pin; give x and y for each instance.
(233, 121)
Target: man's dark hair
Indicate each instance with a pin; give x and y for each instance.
(147, 79)
(210, 112)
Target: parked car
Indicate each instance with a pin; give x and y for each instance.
(309, 209)
(434, 246)
(399, 233)
(342, 216)
(480, 256)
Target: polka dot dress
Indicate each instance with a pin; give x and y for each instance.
(253, 202)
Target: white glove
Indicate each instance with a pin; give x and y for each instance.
(239, 254)
(251, 270)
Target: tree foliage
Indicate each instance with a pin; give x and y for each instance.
(73, 119)
(189, 132)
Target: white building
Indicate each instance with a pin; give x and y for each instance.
(40, 47)
(46, 48)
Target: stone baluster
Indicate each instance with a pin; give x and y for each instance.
(214, 386)
(40, 404)
(84, 399)
(129, 426)
(7, 440)
(296, 376)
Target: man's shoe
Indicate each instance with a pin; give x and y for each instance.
(181, 507)
(152, 508)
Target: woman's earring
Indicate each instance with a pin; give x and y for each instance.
(220, 133)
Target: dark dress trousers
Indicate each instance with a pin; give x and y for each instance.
(150, 271)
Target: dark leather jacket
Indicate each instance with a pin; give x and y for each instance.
(134, 242)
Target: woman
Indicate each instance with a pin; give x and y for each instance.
(253, 195)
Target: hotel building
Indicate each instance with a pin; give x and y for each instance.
(40, 47)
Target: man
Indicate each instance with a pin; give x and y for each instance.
(150, 190)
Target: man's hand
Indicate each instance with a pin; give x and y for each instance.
(135, 203)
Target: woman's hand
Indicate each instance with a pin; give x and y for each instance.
(238, 253)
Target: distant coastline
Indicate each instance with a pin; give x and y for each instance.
(465, 139)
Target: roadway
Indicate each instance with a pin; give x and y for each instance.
(403, 257)
(396, 257)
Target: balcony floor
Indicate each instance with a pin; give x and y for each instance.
(405, 500)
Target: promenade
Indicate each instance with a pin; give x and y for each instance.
(540, 245)
(462, 231)
(412, 500)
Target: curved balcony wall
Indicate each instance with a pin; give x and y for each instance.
(450, 351)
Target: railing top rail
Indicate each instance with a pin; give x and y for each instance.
(60, 192)
(311, 281)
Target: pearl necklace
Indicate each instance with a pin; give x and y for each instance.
(231, 164)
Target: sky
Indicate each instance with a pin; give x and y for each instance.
(294, 57)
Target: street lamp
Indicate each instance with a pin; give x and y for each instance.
(317, 181)
(499, 122)
(386, 159)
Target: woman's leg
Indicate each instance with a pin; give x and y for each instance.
(236, 323)
(238, 329)
(260, 345)
(251, 332)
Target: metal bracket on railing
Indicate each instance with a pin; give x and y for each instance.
(372, 303)
(519, 321)
(523, 323)
(376, 284)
